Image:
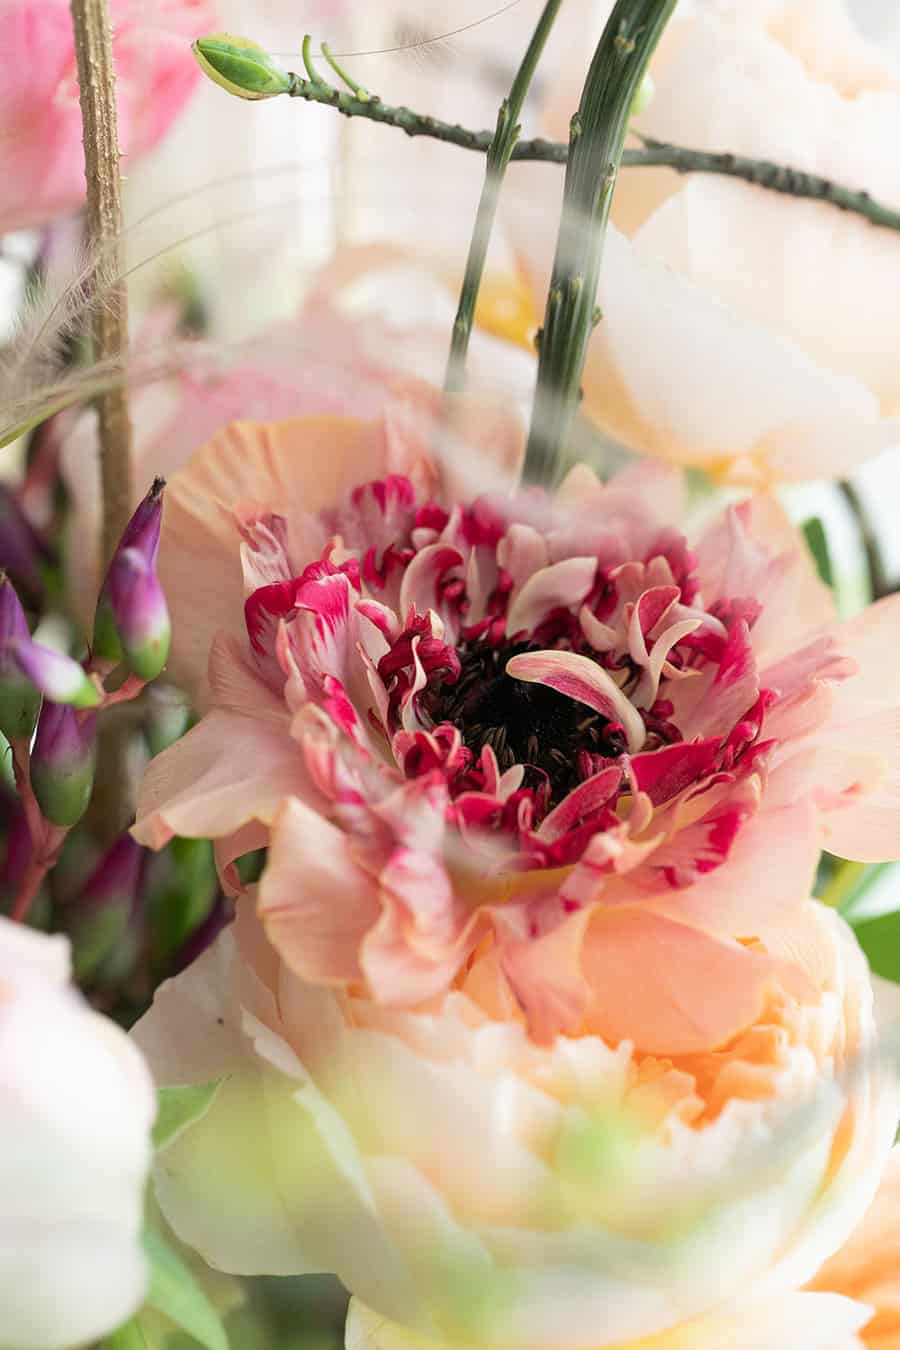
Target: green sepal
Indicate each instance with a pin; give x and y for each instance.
(20, 704)
(180, 1107)
(240, 66)
(175, 1293)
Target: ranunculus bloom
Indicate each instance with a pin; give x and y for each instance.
(77, 1106)
(548, 726)
(41, 156)
(745, 331)
(482, 1190)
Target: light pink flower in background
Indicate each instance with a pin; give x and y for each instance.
(77, 1106)
(744, 331)
(547, 731)
(323, 361)
(480, 1190)
(41, 156)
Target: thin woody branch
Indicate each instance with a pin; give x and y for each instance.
(762, 173)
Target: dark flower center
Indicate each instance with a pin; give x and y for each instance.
(523, 723)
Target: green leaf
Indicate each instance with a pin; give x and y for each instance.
(127, 1337)
(176, 1294)
(880, 940)
(179, 1107)
(817, 541)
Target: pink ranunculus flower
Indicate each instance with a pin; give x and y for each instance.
(744, 331)
(547, 726)
(77, 1107)
(475, 1189)
(41, 156)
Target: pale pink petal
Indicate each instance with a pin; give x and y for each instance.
(296, 467)
(316, 903)
(563, 584)
(229, 770)
(580, 678)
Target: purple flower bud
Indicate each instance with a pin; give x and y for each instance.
(19, 700)
(105, 921)
(132, 620)
(139, 609)
(21, 551)
(62, 763)
(56, 675)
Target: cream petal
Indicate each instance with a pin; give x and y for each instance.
(813, 1321)
(580, 678)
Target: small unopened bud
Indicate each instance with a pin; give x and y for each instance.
(104, 920)
(56, 675)
(19, 700)
(21, 552)
(62, 763)
(138, 606)
(132, 620)
(240, 66)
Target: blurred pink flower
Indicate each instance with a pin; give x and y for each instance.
(744, 331)
(41, 156)
(479, 720)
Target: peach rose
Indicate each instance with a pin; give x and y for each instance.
(547, 722)
(478, 1189)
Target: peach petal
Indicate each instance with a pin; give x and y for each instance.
(696, 991)
(226, 772)
(315, 902)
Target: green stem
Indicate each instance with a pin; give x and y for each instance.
(596, 143)
(764, 173)
(878, 578)
(499, 154)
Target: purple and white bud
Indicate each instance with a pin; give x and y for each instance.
(62, 763)
(56, 675)
(19, 700)
(132, 619)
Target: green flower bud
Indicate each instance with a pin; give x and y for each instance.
(240, 66)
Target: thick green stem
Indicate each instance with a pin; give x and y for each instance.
(596, 143)
(499, 154)
(763, 173)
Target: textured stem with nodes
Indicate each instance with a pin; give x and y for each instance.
(596, 143)
(762, 173)
(499, 153)
(97, 84)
